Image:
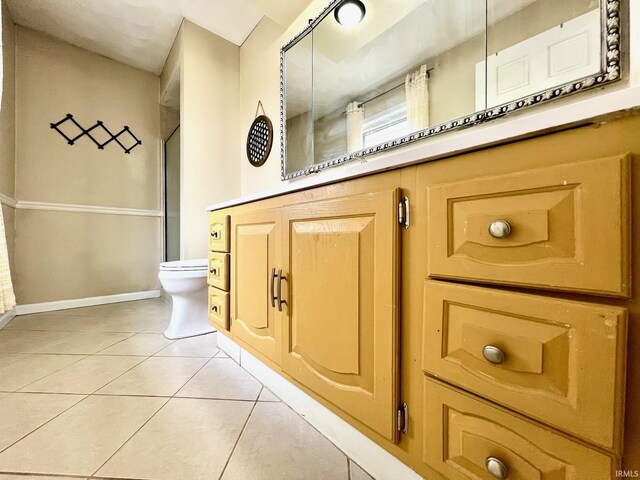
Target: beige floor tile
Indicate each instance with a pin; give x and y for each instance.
(36, 477)
(200, 346)
(50, 322)
(159, 327)
(83, 342)
(141, 344)
(358, 473)
(224, 379)
(10, 357)
(162, 376)
(80, 440)
(85, 376)
(21, 413)
(176, 444)
(130, 323)
(278, 444)
(18, 341)
(267, 396)
(27, 370)
(124, 308)
(84, 323)
(221, 354)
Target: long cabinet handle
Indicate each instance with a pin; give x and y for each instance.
(272, 293)
(280, 300)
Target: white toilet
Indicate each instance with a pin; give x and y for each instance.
(186, 282)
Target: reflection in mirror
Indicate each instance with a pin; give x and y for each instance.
(410, 69)
(408, 65)
(535, 45)
(299, 104)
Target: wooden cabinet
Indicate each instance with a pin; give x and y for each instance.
(466, 437)
(524, 248)
(340, 322)
(256, 253)
(565, 227)
(535, 355)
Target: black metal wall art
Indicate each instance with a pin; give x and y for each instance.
(99, 125)
(259, 139)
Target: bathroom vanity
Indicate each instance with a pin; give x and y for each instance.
(471, 315)
(474, 316)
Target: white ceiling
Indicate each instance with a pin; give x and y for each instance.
(140, 32)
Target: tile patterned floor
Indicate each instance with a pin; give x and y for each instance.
(99, 392)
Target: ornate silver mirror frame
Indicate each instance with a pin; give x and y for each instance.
(610, 71)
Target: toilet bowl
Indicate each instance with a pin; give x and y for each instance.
(186, 282)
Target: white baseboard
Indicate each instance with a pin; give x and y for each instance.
(379, 463)
(229, 347)
(6, 317)
(84, 302)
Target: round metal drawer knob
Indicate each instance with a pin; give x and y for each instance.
(493, 354)
(499, 229)
(497, 468)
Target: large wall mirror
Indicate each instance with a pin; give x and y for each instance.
(368, 75)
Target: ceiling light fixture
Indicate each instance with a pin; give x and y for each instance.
(350, 12)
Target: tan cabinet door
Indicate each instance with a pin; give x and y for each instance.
(466, 438)
(559, 361)
(254, 254)
(340, 321)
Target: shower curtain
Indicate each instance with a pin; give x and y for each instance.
(417, 91)
(355, 119)
(7, 297)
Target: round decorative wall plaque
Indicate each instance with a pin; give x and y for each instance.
(259, 139)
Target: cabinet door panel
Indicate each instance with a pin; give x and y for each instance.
(340, 320)
(254, 254)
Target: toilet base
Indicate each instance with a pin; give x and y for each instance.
(188, 317)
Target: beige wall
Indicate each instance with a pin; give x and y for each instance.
(209, 120)
(66, 255)
(7, 129)
(260, 69)
(7, 112)
(55, 78)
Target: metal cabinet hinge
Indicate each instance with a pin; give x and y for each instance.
(403, 418)
(403, 212)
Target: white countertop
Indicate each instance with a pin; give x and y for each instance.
(597, 106)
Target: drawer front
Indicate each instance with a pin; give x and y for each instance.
(219, 308)
(563, 227)
(218, 275)
(464, 434)
(541, 357)
(219, 232)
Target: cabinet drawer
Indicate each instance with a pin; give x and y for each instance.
(219, 308)
(558, 361)
(218, 275)
(219, 228)
(463, 433)
(563, 227)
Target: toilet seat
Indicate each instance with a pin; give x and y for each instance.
(184, 265)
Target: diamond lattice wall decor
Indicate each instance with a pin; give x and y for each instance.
(99, 125)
